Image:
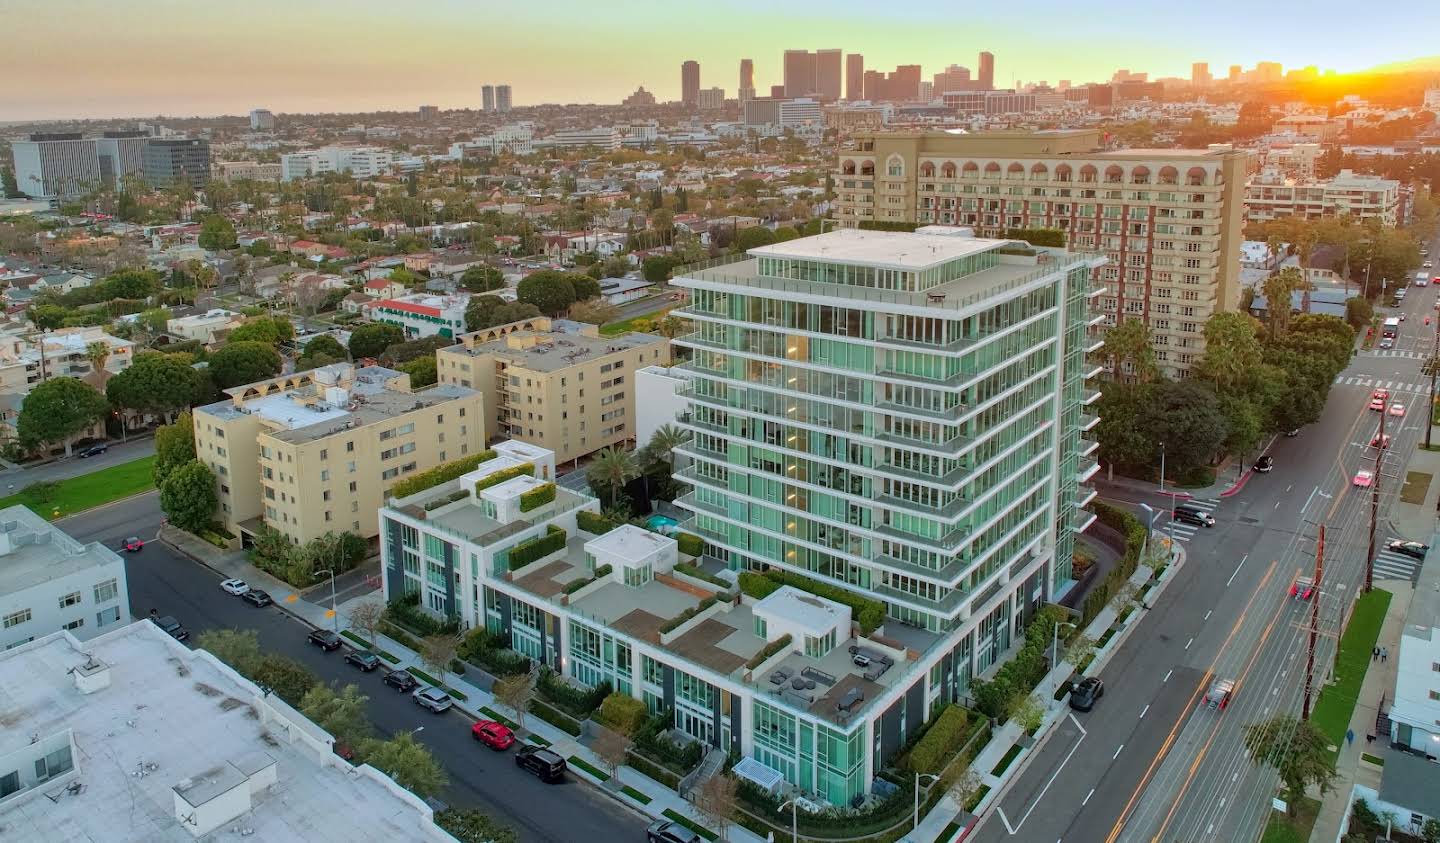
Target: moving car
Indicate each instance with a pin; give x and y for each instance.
(1386, 343)
(173, 627)
(1265, 464)
(1219, 694)
(401, 680)
(1291, 434)
(1402, 317)
(363, 659)
(235, 586)
(547, 765)
(1378, 399)
(325, 639)
(497, 736)
(257, 598)
(1415, 550)
(666, 831)
(1363, 479)
(1191, 514)
(94, 450)
(133, 544)
(1084, 695)
(1303, 588)
(432, 698)
(1378, 441)
(1397, 409)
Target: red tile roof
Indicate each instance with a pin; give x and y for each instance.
(407, 307)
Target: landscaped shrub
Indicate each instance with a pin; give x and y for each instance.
(555, 717)
(1019, 675)
(406, 613)
(645, 766)
(940, 741)
(541, 546)
(678, 756)
(690, 544)
(870, 614)
(537, 497)
(440, 474)
(699, 573)
(770, 649)
(756, 585)
(577, 702)
(524, 469)
(1125, 523)
(686, 615)
(623, 713)
(575, 585)
(490, 651)
(593, 522)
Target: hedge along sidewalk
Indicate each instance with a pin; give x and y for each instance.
(77, 494)
(934, 824)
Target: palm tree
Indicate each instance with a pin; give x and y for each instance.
(662, 444)
(97, 353)
(611, 469)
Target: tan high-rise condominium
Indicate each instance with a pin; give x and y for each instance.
(854, 77)
(1169, 219)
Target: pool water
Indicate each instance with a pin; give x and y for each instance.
(662, 524)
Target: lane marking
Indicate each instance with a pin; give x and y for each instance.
(1086, 800)
(1207, 614)
(1117, 752)
(1041, 796)
(1167, 675)
(1188, 643)
(1237, 569)
(1143, 710)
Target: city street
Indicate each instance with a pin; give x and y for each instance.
(61, 469)
(1151, 762)
(160, 578)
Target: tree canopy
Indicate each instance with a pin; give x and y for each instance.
(174, 447)
(372, 340)
(188, 496)
(216, 232)
(489, 311)
(482, 279)
(550, 291)
(58, 410)
(163, 384)
(239, 363)
(266, 329)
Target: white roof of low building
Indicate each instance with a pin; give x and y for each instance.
(628, 542)
(170, 721)
(888, 249)
(36, 551)
(808, 611)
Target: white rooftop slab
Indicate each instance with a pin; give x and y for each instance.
(808, 611)
(889, 249)
(162, 721)
(522, 451)
(34, 551)
(629, 542)
(289, 410)
(512, 488)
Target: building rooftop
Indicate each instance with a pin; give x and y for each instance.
(33, 551)
(1424, 613)
(163, 723)
(812, 613)
(890, 249)
(547, 345)
(629, 542)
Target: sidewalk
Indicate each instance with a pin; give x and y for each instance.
(1379, 684)
(473, 697)
(1228, 481)
(1418, 521)
(933, 824)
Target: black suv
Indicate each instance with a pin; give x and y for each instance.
(1085, 693)
(545, 764)
(173, 627)
(257, 598)
(401, 680)
(363, 659)
(665, 831)
(1193, 515)
(325, 639)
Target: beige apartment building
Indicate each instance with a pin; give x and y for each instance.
(1169, 219)
(318, 451)
(553, 383)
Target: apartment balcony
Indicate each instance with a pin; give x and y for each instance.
(948, 543)
(945, 605)
(951, 414)
(948, 510)
(948, 574)
(1088, 468)
(1087, 495)
(1080, 520)
(688, 420)
(1088, 447)
(1094, 372)
(949, 478)
(954, 445)
(1090, 397)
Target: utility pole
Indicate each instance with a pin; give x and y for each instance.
(1434, 364)
(1375, 502)
(1314, 622)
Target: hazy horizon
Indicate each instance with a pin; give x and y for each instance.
(197, 60)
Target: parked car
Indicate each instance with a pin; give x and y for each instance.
(173, 627)
(1363, 479)
(94, 450)
(325, 639)
(1218, 697)
(547, 765)
(497, 736)
(666, 831)
(1303, 588)
(1191, 514)
(1265, 464)
(432, 698)
(363, 659)
(401, 680)
(235, 586)
(1084, 695)
(257, 598)
(1415, 550)
(133, 544)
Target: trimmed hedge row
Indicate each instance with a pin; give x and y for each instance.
(577, 702)
(770, 649)
(940, 741)
(537, 497)
(870, 614)
(690, 544)
(555, 717)
(645, 766)
(490, 651)
(524, 469)
(623, 713)
(686, 615)
(593, 522)
(756, 585)
(1125, 523)
(440, 474)
(406, 613)
(529, 550)
(1019, 676)
(699, 573)
(575, 585)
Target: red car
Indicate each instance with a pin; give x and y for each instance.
(1303, 588)
(497, 736)
(133, 544)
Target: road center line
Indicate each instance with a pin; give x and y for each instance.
(1167, 675)
(1117, 752)
(1207, 614)
(1143, 710)
(1238, 567)
(1086, 800)
(1188, 643)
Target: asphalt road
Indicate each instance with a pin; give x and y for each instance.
(60, 469)
(162, 579)
(1152, 763)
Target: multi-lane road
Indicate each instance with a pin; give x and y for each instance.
(1151, 762)
(162, 579)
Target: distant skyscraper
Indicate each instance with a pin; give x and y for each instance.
(428, 113)
(747, 73)
(987, 72)
(711, 99)
(56, 165)
(827, 74)
(169, 161)
(952, 79)
(902, 85)
(487, 98)
(854, 77)
(777, 91)
(690, 83)
(502, 98)
(1269, 71)
(799, 73)
(927, 90)
(1200, 74)
(261, 120)
(1235, 72)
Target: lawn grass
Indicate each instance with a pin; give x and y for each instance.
(1372, 759)
(365, 645)
(1006, 761)
(577, 761)
(979, 794)
(1417, 483)
(635, 794)
(1283, 829)
(88, 491)
(499, 718)
(672, 814)
(1337, 701)
(616, 328)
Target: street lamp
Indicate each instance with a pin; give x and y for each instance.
(333, 613)
(915, 822)
(794, 805)
(1162, 468)
(1055, 642)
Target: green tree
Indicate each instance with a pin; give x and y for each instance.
(660, 450)
(163, 384)
(174, 447)
(409, 763)
(1278, 288)
(239, 648)
(482, 279)
(1185, 416)
(1123, 439)
(7, 183)
(327, 345)
(216, 233)
(1232, 351)
(1129, 342)
(1359, 312)
(489, 311)
(550, 291)
(422, 371)
(1297, 751)
(611, 469)
(472, 826)
(48, 317)
(753, 237)
(287, 678)
(187, 496)
(1244, 424)
(341, 714)
(130, 284)
(656, 269)
(372, 340)
(239, 363)
(585, 287)
(266, 329)
(58, 410)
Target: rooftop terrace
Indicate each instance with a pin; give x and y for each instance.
(550, 345)
(34, 551)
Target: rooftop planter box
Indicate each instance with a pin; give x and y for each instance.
(537, 497)
(440, 474)
(523, 470)
(537, 548)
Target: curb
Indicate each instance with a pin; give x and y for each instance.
(1174, 494)
(1238, 485)
(99, 506)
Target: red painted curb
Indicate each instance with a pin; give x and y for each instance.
(1239, 484)
(1180, 495)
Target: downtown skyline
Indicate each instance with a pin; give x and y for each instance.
(307, 59)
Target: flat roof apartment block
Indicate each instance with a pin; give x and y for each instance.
(554, 383)
(50, 581)
(318, 451)
(1169, 220)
